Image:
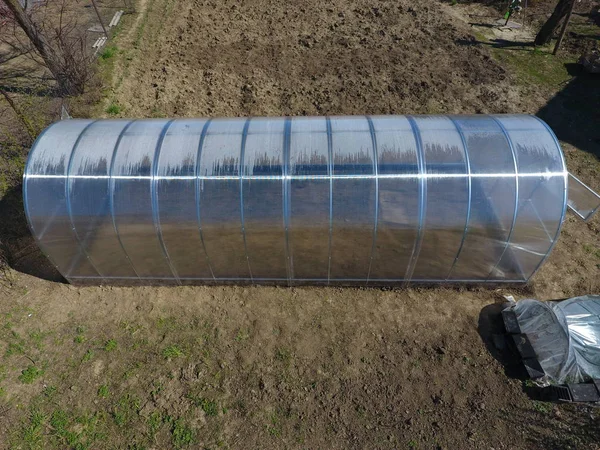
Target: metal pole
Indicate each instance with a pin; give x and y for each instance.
(564, 28)
(100, 18)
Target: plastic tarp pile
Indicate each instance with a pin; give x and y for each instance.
(565, 337)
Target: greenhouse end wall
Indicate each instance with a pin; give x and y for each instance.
(381, 200)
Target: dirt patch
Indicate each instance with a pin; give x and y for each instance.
(268, 368)
(260, 58)
(264, 367)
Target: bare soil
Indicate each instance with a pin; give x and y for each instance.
(267, 367)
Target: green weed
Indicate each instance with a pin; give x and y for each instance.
(88, 356)
(110, 345)
(32, 433)
(49, 392)
(181, 434)
(242, 335)
(172, 351)
(108, 52)
(30, 374)
(15, 349)
(210, 407)
(542, 407)
(126, 409)
(113, 109)
(274, 427)
(154, 423)
(103, 391)
(283, 355)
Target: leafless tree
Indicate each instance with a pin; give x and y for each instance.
(50, 38)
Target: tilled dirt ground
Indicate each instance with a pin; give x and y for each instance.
(262, 367)
(261, 57)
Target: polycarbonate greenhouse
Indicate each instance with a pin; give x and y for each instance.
(384, 200)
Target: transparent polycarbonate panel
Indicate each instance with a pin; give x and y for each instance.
(582, 200)
(541, 196)
(536, 148)
(178, 208)
(493, 196)
(398, 207)
(90, 199)
(263, 198)
(133, 198)
(354, 198)
(343, 200)
(220, 200)
(45, 189)
(446, 200)
(309, 201)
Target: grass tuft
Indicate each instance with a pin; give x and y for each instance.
(172, 351)
(108, 52)
(110, 345)
(103, 391)
(113, 109)
(30, 374)
(182, 435)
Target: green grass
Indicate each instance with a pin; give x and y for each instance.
(126, 409)
(88, 356)
(49, 392)
(172, 351)
(283, 355)
(274, 426)
(15, 348)
(139, 33)
(113, 109)
(182, 435)
(110, 345)
(210, 407)
(108, 52)
(154, 421)
(32, 432)
(79, 337)
(30, 374)
(242, 335)
(534, 66)
(592, 250)
(542, 407)
(103, 391)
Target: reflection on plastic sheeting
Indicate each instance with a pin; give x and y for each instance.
(382, 200)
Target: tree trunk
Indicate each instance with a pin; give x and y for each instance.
(48, 53)
(548, 29)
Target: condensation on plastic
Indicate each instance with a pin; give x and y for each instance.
(564, 335)
(382, 200)
(583, 202)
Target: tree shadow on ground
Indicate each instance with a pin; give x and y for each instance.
(574, 112)
(505, 44)
(16, 242)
